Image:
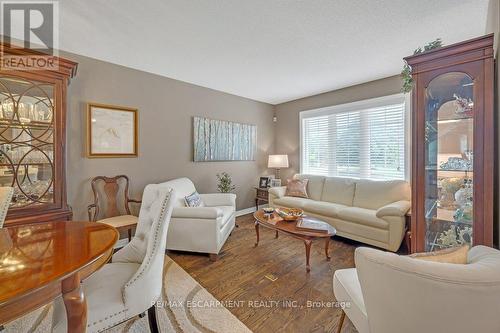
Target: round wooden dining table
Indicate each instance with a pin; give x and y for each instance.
(39, 262)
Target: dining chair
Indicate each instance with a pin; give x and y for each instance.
(389, 293)
(5, 198)
(132, 283)
(111, 203)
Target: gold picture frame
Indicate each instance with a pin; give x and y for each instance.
(112, 131)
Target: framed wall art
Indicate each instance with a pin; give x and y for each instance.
(220, 140)
(111, 131)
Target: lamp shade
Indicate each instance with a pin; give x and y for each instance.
(277, 161)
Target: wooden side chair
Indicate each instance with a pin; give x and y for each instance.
(107, 201)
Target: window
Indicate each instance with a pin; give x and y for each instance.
(364, 139)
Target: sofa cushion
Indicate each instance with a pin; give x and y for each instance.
(120, 221)
(104, 294)
(373, 194)
(314, 185)
(363, 216)
(194, 200)
(339, 190)
(361, 232)
(454, 255)
(292, 202)
(297, 188)
(323, 208)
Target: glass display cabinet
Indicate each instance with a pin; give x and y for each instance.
(32, 140)
(452, 146)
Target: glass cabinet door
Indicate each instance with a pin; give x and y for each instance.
(27, 140)
(449, 160)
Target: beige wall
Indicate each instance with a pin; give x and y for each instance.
(287, 128)
(166, 108)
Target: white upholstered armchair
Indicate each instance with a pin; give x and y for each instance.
(200, 229)
(388, 293)
(132, 282)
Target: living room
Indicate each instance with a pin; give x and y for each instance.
(231, 166)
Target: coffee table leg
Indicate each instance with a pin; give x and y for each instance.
(257, 232)
(308, 243)
(327, 243)
(276, 234)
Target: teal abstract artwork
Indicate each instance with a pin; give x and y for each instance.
(220, 140)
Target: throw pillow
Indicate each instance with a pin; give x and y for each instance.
(194, 200)
(453, 255)
(297, 188)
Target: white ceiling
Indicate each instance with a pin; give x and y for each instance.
(267, 50)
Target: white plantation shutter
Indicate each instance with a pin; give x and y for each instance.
(364, 140)
(316, 143)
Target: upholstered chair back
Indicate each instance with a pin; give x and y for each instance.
(403, 294)
(183, 187)
(5, 198)
(147, 248)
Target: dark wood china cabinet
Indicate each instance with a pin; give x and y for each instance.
(453, 146)
(33, 139)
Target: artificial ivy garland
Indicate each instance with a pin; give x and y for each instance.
(406, 72)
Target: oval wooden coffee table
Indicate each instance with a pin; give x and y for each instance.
(39, 262)
(275, 222)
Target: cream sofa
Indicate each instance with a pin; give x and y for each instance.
(200, 229)
(369, 211)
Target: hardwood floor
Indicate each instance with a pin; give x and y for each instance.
(239, 276)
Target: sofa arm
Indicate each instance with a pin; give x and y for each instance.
(219, 199)
(210, 213)
(398, 208)
(277, 192)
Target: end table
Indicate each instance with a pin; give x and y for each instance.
(262, 195)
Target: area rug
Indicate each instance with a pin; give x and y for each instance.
(185, 307)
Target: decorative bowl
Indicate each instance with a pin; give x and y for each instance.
(268, 210)
(290, 214)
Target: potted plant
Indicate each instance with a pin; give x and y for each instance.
(225, 183)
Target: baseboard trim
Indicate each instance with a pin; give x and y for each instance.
(248, 210)
(245, 211)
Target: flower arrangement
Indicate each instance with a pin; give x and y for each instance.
(451, 237)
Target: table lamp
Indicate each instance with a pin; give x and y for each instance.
(277, 162)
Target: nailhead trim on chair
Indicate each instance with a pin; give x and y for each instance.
(106, 318)
(155, 244)
(113, 324)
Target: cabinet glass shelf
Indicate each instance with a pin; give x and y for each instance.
(27, 140)
(431, 168)
(449, 160)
